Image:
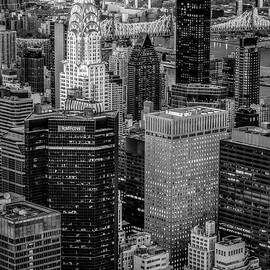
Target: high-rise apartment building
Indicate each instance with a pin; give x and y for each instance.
(83, 67)
(247, 73)
(244, 189)
(15, 106)
(201, 250)
(30, 236)
(144, 81)
(231, 254)
(32, 69)
(193, 41)
(82, 186)
(181, 174)
(8, 52)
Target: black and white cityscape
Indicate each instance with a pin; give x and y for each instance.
(134, 134)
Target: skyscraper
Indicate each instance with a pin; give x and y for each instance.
(82, 180)
(181, 174)
(83, 68)
(193, 41)
(59, 31)
(247, 73)
(8, 53)
(32, 69)
(244, 189)
(144, 81)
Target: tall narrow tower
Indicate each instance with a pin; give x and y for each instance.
(247, 73)
(193, 41)
(83, 68)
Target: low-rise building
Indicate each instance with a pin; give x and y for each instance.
(231, 254)
(154, 258)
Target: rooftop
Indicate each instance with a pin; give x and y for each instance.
(230, 240)
(186, 112)
(23, 211)
(148, 252)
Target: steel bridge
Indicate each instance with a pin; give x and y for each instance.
(111, 29)
(249, 22)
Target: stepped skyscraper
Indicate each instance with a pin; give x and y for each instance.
(84, 71)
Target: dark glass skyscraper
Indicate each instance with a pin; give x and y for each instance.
(144, 82)
(244, 189)
(32, 69)
(193, 18)
(82, 180)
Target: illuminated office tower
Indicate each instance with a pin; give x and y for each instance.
(82, 186)
(181, 174)
(8, 52)
(83, 68)
(247, 73)
(193, 20)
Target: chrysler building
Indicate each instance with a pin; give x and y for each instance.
(84, 71)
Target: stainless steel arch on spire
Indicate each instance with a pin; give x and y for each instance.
(84, 17)
(249, 21)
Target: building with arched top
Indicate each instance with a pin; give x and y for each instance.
(83, 67)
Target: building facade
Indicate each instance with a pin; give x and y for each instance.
(153, 257)
(247, 73)
(201, 250)
(231, 254)
(30, 237)
(15, 106)
(82, 186)
(193, 41)
(8, 52)
(83, 67)
(197, 94)
(244, 189)
(181, 174)
(12, 162)
(32, 69)
(144, 81)
(133, 187)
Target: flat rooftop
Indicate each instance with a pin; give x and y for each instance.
(177, 113)
(23, 211)
(230, 240)
(255, 130)
(148, 252)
